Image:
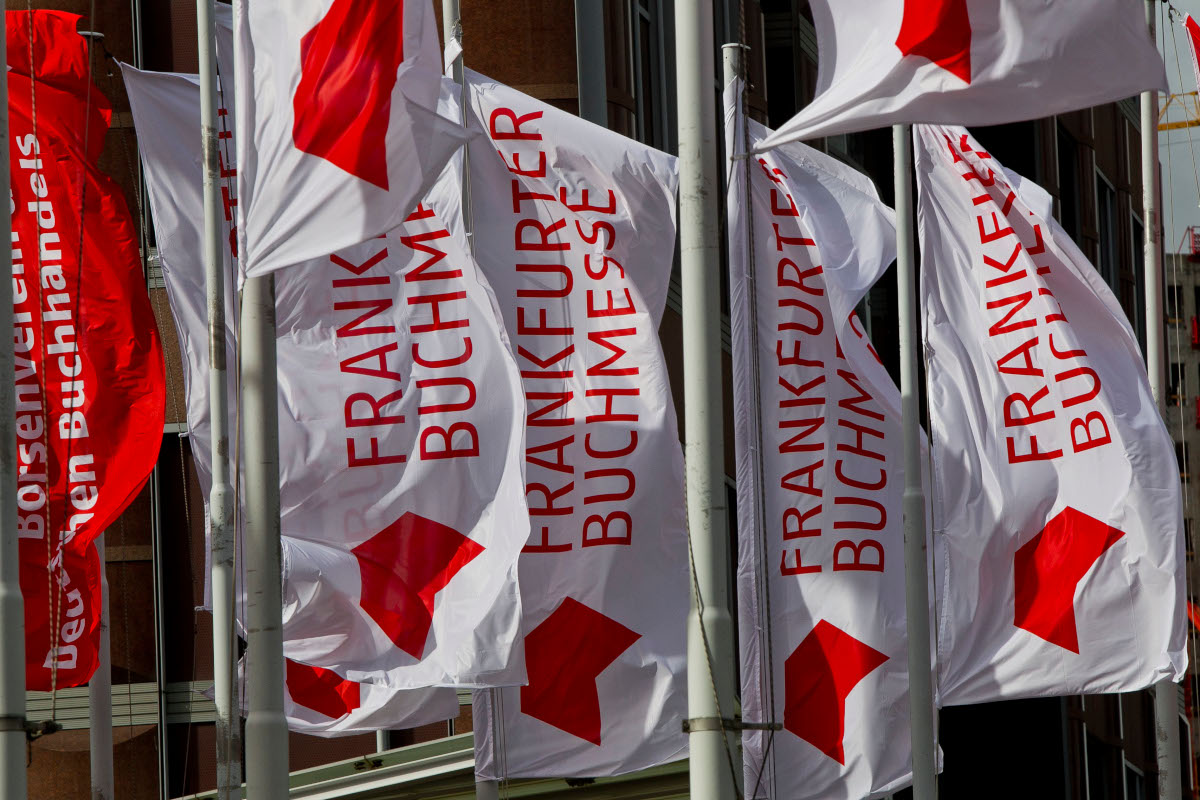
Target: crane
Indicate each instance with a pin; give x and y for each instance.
(1189, 103)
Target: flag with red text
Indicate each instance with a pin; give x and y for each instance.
(90, 385)
(400, 406)
(884, 62)
(820, 474)
(1057, 516)
(338, 101)
(575, 227)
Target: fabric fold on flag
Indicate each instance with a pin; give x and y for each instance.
(970, 63)
(820, 475)
(1057, 505)
(402, 505)
(319, 702)
(339, 105)
(90, 384)
(575, 231)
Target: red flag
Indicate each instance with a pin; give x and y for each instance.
(89, 365)
(1193, 32)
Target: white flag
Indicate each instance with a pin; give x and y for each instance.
(820, 458)
(575, 230)
(1057, 506)
(971, 62)
(319, 702)
(339, 102)
(400, 432)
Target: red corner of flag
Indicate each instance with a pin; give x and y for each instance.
(403, 567)
(939, 30)
(818, 677)
(1048, 568)
(343, 103)
(564, 655)
(322, 690)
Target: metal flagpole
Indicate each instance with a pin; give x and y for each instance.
(452, 31)
(100, 731)
(266, 725)
(591, 75)
(220, 499)
(716, 763)
(12, 607)
(1166, 694)
(916, 574)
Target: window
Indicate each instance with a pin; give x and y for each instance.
(1188, 542)
(1135, 783)
(1174, 304)
(1102, 770)
(1107, 260)
(649, 52)
(1181, 455)
(1068, 183)
(1176, 384)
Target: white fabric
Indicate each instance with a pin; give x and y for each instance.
(294, 205)
(1019, 325)
(380, 709)
(1027, 59)
(342, 484)
(818, 555)
(559, 315)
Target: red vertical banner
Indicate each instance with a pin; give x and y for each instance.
(90, 383)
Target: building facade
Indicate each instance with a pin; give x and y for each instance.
(1074, 748)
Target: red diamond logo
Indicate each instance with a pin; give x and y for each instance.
(564, 656)
(1048, 568)
(819, 675)
(403, 567)
(343, 103)
(321, 690)
(938, 30)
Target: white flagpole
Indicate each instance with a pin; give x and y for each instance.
(100, 731)
(12, 606)
(452, 31)
(266, 725)
(715, 765)
(220, 498)
(916, 575)
(1166, 694)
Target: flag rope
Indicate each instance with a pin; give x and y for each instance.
(237, 578)
(1194, 680)
(44, 439)
(172, 393)
(763, 590)
(79, 273)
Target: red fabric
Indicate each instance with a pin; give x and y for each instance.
(343, 104)
(1193, 31)
(89, 365)
(322, 690)
(818, 677)
(1193, 614)
(1050, 566)
(565, 655)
